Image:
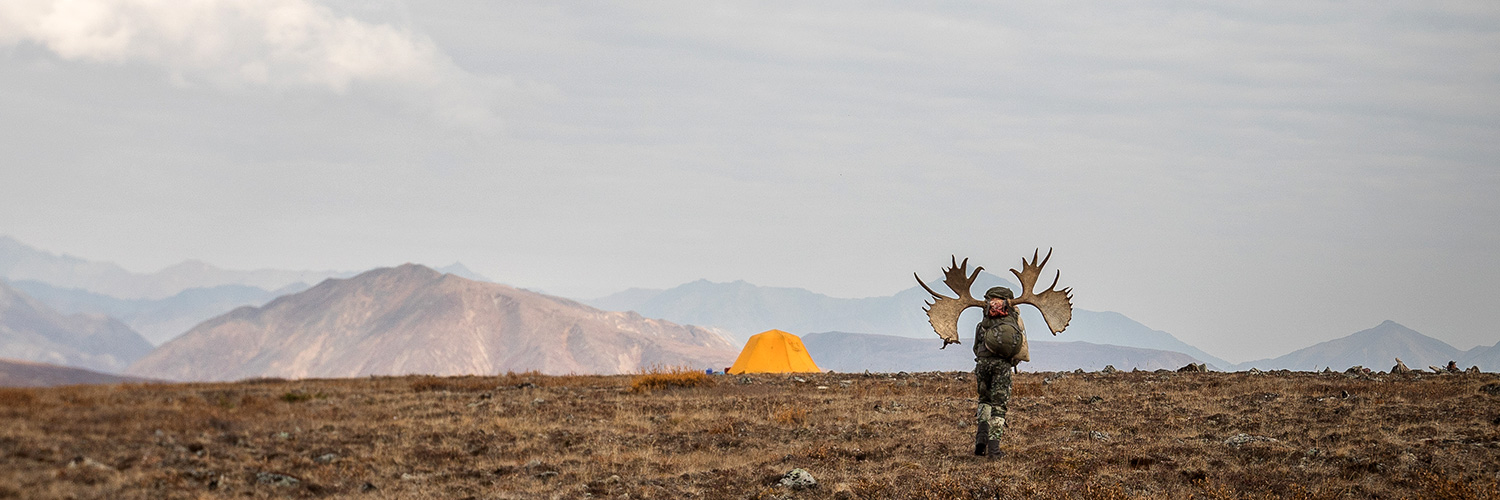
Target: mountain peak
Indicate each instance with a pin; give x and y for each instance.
(460, 270)
(413, 319)
(1373, 347)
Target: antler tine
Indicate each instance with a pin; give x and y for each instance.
(943, 311)
(925, 287)
(1056, 305)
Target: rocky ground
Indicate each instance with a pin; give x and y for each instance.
(1074, 435)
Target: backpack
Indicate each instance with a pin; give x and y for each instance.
(1002, 339)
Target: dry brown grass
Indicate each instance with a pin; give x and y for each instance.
(1089, 436)
(665, 377)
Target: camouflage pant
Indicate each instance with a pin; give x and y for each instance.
(994, 393)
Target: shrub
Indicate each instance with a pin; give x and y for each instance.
(660, 377)
(296, 397)
(791, 416)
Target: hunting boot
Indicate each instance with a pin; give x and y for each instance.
(980, 436)
(993, 449)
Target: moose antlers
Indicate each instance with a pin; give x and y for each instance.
(943, 311)
(1056, 305)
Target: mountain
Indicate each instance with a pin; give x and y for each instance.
(857, 352)
(412, 319)
(1376, 348)
(15, 373)
(746, 309)
(462, 271)
(157, 320)
(21, 262)
(1486, 358)
(629, 300)
(1108, 327)
(31, 331)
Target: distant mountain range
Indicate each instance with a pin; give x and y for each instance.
(195, 291)
(15, 373)
(158, 320)
(1486, 358)
(31, 331)
(20, 262)
(1377, 349)
(413, 319)
(745, 309)
(858, 352)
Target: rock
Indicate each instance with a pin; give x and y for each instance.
(1194, 367)
(799, 380)
(276, 479)
(798, 479)
(326, 458)
(1109, 369)
(87, 463)
(1355, 370)
(367, 487)
(1400, 367)
(1240, 439)
(1099, 435)
(1473, 370)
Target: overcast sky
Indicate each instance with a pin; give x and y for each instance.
(1250, 178)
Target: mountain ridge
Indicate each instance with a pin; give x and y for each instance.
(32, 331)
(157, 320)
(746, 309)
(19, 261)
(1376, 348)
(413, 319)
(18, 373)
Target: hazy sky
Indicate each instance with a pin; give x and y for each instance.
(1251, 178)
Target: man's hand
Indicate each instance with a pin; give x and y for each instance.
(998, 307)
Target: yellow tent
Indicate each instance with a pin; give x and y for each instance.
(773, 351)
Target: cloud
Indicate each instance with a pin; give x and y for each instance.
(235, 44)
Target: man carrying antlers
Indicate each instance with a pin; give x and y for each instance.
(1000, 338)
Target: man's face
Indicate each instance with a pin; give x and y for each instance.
(996, 307)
